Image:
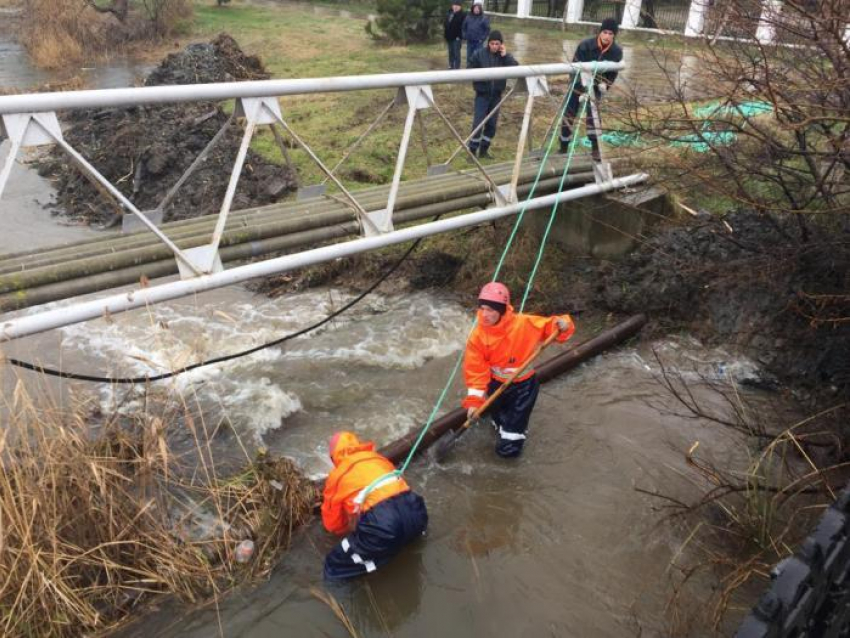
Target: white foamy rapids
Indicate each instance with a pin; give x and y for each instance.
(257, 392)
(400, 333)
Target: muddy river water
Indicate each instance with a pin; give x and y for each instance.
(558, 543)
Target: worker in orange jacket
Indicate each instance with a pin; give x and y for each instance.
(369, 505)
(501, 342)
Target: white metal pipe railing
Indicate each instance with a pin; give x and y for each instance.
(139, 96)
(43, 321)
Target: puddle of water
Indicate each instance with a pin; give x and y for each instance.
(18, 73)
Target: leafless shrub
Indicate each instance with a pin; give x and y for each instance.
(744, 520)
(778, 137)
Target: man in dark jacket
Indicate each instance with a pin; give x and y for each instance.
(602, 48)
(488, 93)
(453, 33)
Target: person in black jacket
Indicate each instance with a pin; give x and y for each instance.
(453, 33)
(602, 48)
(488, 93)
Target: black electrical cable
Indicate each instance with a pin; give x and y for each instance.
(167, 375)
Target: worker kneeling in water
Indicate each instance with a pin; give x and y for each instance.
(501, 342)
(371, 506)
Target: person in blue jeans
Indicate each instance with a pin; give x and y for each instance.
(488, 93)
(476, 28)
(453, 33)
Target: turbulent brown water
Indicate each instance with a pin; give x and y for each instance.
(559, 543)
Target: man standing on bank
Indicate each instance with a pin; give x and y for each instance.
(488, 93)
(453, 33)
(601, 48)
(475, 30)
(370, 506)
(501, 342)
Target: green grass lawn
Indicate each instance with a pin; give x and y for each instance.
(304, 40)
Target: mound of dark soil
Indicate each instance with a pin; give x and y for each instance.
(218, 61)
(756, 281)
(145, 150)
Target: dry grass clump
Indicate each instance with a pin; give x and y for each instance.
(59, 32)
(98, 513)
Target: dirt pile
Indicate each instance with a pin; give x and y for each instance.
(218, 61)
(145, 150)
(770, 285)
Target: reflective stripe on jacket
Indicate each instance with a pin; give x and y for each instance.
(496, 352)
(357, 465)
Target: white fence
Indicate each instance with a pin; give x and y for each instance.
(685, 17)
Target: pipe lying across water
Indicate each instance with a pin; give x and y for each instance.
(398, 450)
(64, 271)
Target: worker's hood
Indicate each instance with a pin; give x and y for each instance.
(345, 444)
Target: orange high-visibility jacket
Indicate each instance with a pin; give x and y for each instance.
(496, 352)
(356, 466)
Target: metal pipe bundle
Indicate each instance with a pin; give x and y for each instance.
(29, 279)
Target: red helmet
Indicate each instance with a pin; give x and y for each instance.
(494, 291)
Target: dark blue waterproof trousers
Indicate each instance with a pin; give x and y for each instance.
(483, 105)
(510, 414)
(380, 534)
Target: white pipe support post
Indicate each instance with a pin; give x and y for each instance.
(238, 163)
(21, 132)
(501, 200)
(384, 219)
(14, 149)
(631, 14)
(360, 212)
(118, 195)
(172, 192)
(142, 297)
(145, 95)
(695, 25)
(520, 148)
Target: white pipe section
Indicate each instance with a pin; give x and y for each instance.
(136, 96)
(48, 320)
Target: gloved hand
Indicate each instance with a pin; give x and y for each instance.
(562, 324)
(470, 414)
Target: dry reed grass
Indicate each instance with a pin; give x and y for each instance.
(59, 33)
(98, 513)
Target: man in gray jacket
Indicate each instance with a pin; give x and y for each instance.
(488, 93)
(476, 28)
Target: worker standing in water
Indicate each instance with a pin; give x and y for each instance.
(501, 342)
(371, 506)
